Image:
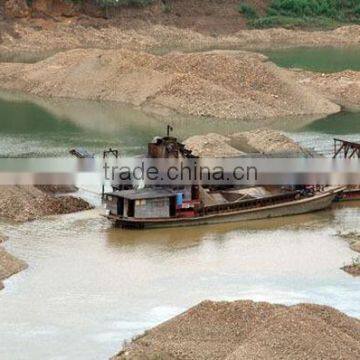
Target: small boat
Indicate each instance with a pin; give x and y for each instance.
(175, 206)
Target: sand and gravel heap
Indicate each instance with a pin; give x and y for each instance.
(342, 87)
(221, 84)
(250, 330)
(262, 141)
(211, 145)
(9, 265)
(266, 141)
(58, 189)
(23, 203)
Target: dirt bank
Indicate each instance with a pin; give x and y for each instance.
(9, 265)
(24, 203)
(222, 84)
(133, 32)
(249, 330)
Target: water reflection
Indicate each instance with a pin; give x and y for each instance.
(48, 127)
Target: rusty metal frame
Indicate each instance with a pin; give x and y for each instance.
(347, 148)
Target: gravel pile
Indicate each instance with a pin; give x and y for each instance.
(342, 88)
(266, 141)
(211, 145)
(23, 203)
(249, 330)
(262, 141)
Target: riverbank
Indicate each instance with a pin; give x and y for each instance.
(9, 264)
(246, 329)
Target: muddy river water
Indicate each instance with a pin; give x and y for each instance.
(89, 287)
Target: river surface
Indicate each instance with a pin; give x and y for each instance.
(90, 287)
(53, 127)
(325, 60)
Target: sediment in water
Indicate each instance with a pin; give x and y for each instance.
(354, 242)
(9, 264)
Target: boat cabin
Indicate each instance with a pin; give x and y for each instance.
(142, 204)
(150, 203)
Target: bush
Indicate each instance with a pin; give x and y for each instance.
(292, 22)
(166, 7)
(138, 3)
(335, 9)
(248, 11)
(309, 13)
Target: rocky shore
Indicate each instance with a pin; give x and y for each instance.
(250, 330)
(9, 264)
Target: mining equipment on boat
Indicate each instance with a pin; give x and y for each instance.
(347, 150)
(195, 204)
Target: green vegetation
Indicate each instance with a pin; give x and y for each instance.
(138, 3)
(291, 22)
(166, 7)
(309, 13)
(341, 10)
(248, 11)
